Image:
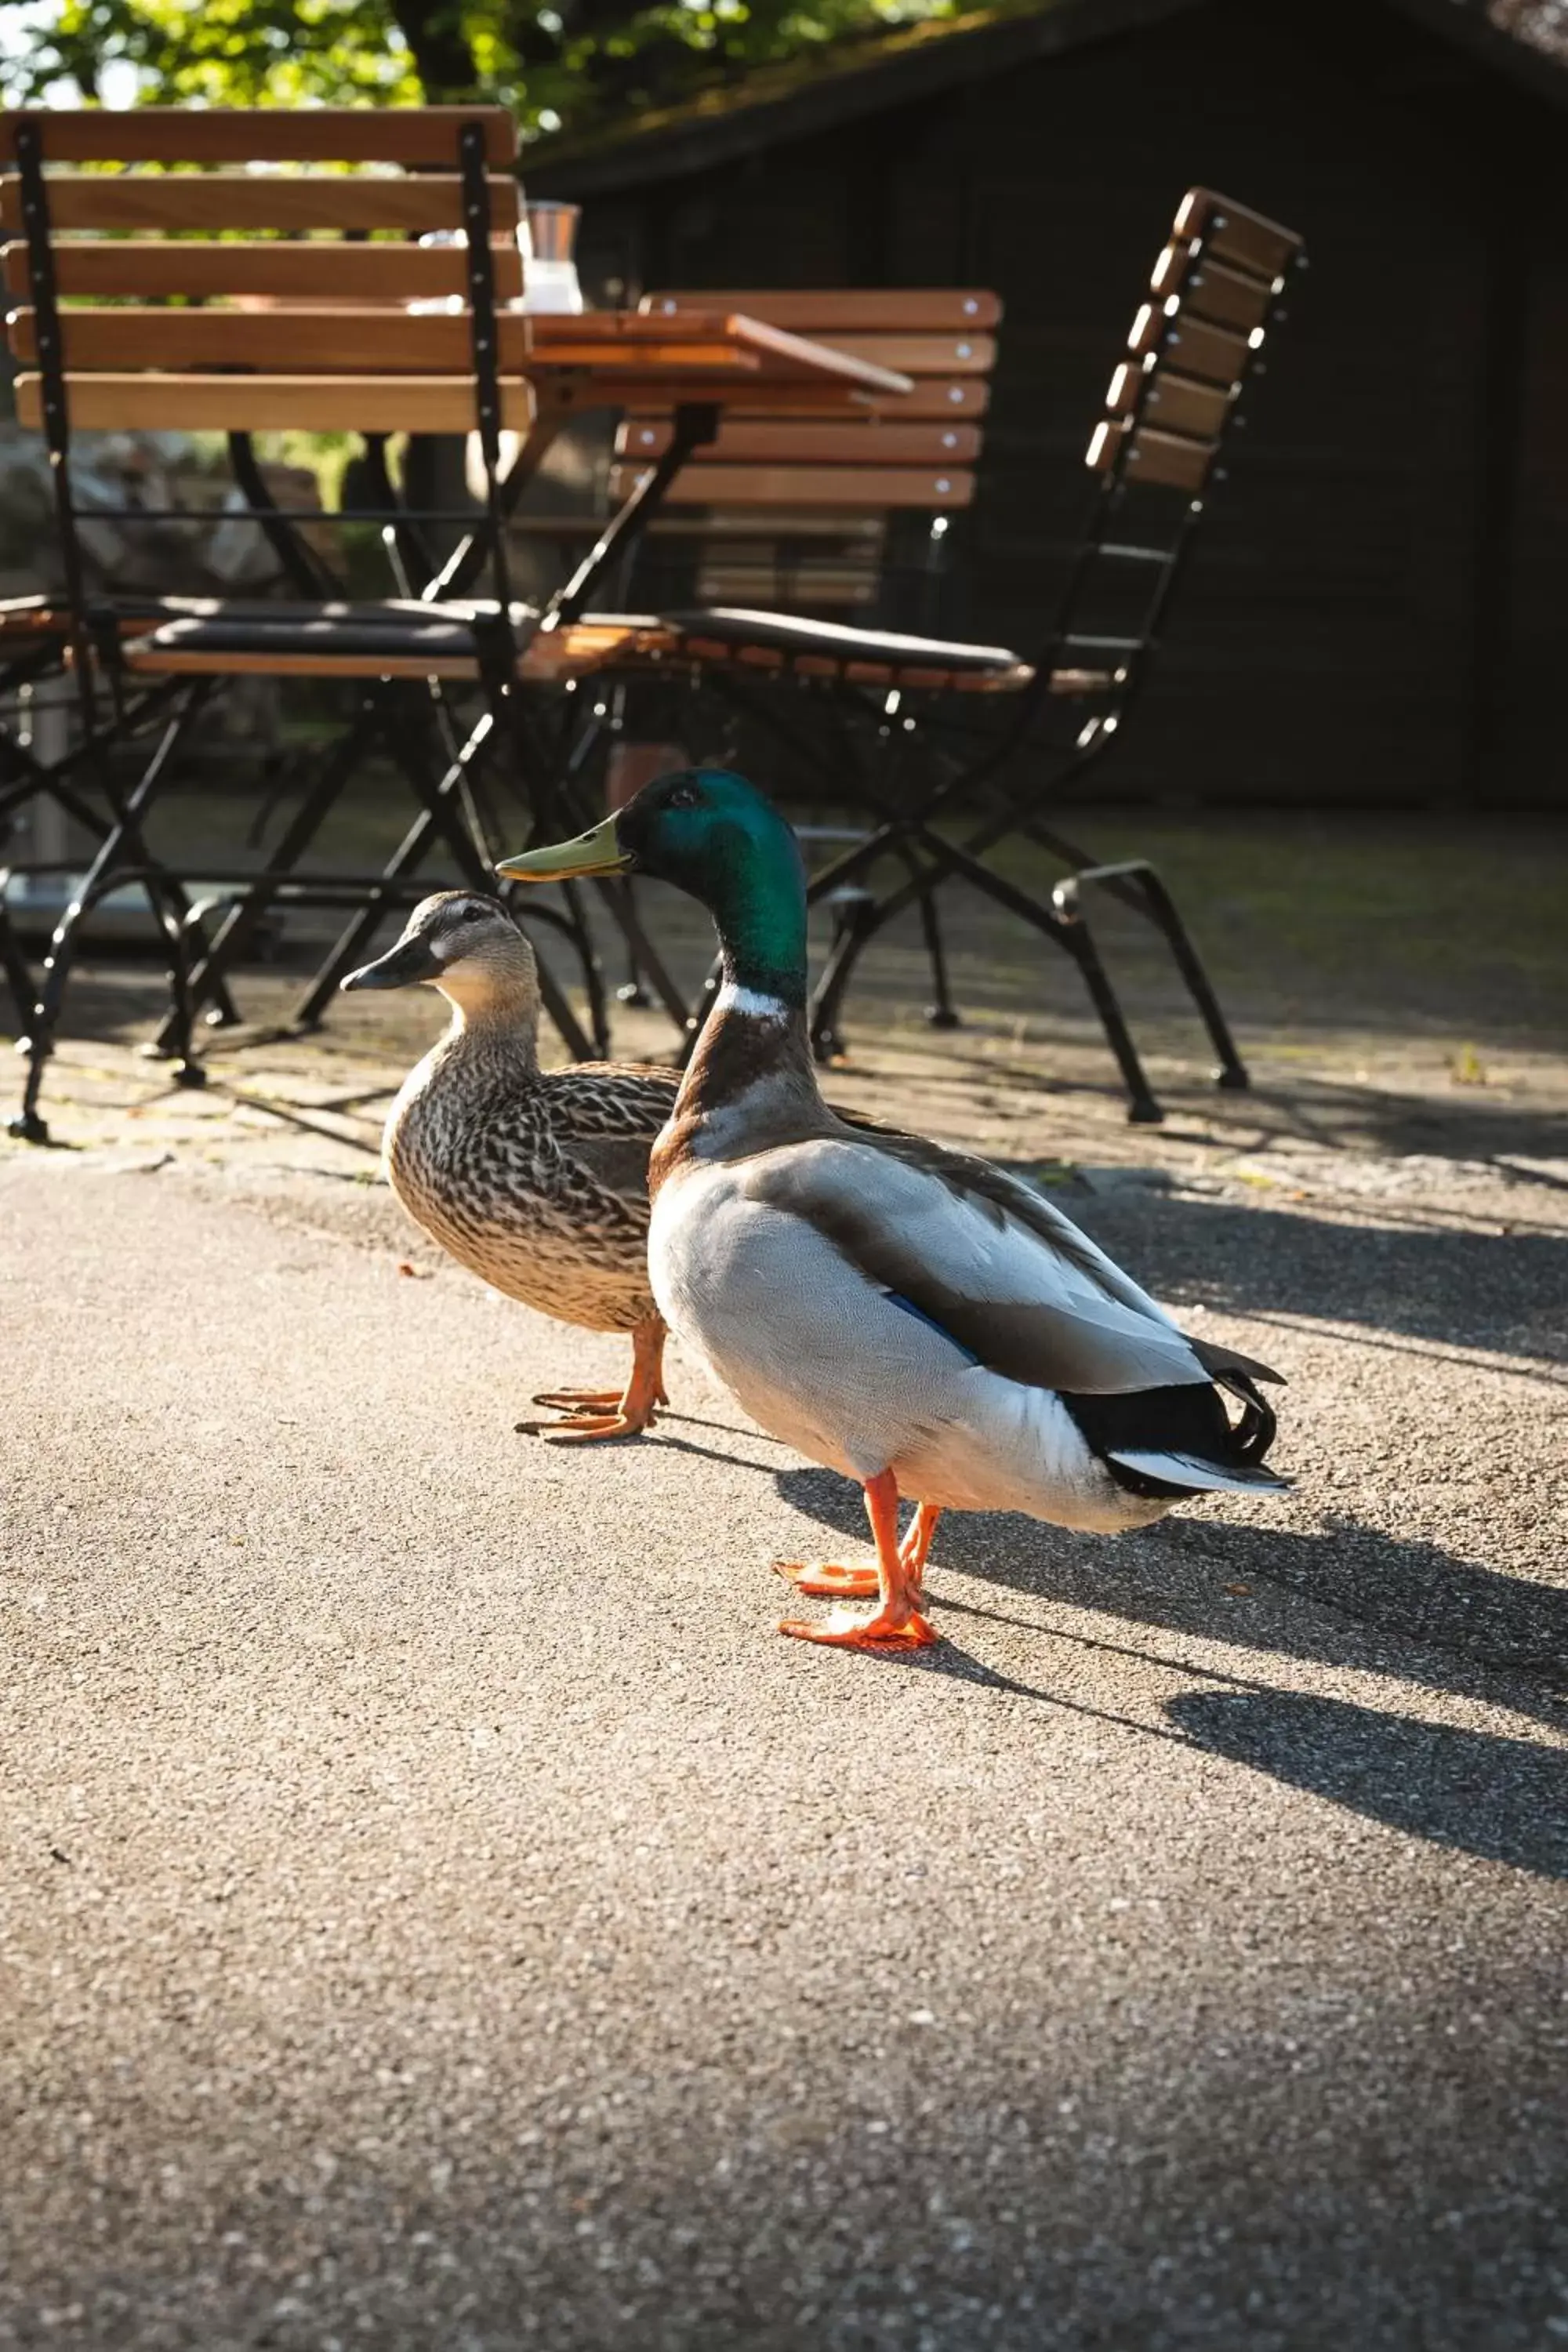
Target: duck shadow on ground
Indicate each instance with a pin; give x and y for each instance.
(1460, 1628)
(1378, 1584)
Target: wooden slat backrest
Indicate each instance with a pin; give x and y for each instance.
(798, 511)
(917, 452)
(286, 268)
(1213, 290)
(409, 135)
(202, 202)
(1190, 344)
(144, 243)
(856, 488)
(828, 312)
(937, 335)
(782, 441)
(1232, 233)
(149, 402)
(1229, 298)
(307, 342)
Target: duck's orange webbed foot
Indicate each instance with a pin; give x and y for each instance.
(887, 1630)
(590, 1413)
(832, 1582)
(576, 1403)
(582, 1428)
(900, 1623)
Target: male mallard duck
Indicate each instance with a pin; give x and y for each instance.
(536, 1180)
(919, 1320)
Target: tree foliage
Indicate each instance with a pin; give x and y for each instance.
(561, 64)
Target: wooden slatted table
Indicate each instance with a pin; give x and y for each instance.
(625, 358)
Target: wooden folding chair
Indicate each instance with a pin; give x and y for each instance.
(248, 271)
(1216, 296)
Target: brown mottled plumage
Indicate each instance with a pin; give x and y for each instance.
(537, 1181)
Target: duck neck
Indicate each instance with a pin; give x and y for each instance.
(760, 913)
(493, 1022)
(749, 1079)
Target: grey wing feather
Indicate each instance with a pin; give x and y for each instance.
(979, 1181)
(1068, 1318)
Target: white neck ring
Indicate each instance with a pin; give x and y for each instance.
(752, 1002)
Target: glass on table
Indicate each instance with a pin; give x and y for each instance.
(550, 273)
(448, 305)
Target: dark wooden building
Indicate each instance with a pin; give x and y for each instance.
(1378, 612)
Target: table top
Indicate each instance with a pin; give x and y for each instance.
(720, 355)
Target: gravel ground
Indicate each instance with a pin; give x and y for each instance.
(439, 1912)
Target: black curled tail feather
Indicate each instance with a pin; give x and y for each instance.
(1183, 1423)
(1254, 1433)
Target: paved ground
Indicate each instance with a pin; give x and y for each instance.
(437, 1912)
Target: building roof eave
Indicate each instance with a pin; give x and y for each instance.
(1469, 22)
(775, 103)
(850, 80)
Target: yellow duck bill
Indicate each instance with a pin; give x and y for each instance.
(598, 852)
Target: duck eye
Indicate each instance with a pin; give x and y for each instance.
(473, 915)
(683, 796)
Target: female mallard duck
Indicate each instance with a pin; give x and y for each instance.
(536, 1180)
(919, 1320)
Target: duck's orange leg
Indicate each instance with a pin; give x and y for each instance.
(915, 1550)
(609, 1413)
(834, 1582)
(898, 1623)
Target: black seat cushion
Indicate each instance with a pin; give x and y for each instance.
(395, 628)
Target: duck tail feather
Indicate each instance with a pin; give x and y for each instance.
(1188, 1475)
(1220, 1362)
(1254, 1433)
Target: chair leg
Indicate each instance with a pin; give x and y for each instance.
(235, 929)
(28, 1125)
(631, 990)
(941, 1014)
(53, 782)
(105, 874)
(643, 958)
(856, 919)
(14, 965)
(1231, 1073)
(434, 821)
(1141, 886)
(593, 974)
(452, 817)
(696, 1019)
(1066, 927)
(940, 1011)
(1142, 1108)
(1068, 932)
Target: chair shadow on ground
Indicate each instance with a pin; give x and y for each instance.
(1309, 1106)
(1418, 1280)
(1501, 1800)
(1460, 1628)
